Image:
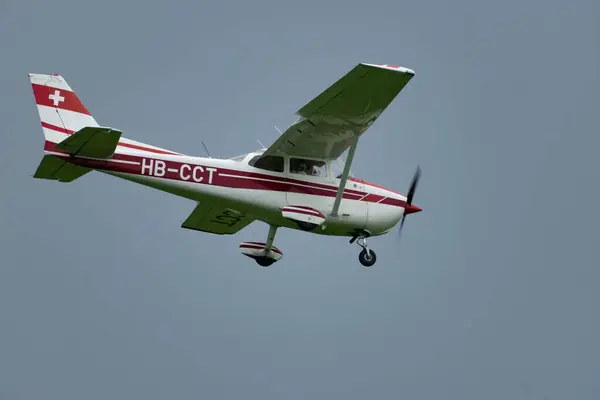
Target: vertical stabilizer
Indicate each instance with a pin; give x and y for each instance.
(60, 110)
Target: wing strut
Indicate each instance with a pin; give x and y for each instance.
(342, 187)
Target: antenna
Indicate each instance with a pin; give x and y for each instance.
(206, 149)
(261, 145)
(281, 133)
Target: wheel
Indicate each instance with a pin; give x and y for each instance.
(367, 259)
(264, 261)
(306, 226)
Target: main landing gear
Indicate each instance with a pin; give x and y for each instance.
(367, 257)
(264, 253)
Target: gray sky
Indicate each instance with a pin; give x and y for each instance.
(492, 292)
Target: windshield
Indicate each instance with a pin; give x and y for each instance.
(337, 167)
(243, 156)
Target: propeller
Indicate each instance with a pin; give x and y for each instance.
(409, 198)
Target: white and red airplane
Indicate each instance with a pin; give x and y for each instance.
(298, 182)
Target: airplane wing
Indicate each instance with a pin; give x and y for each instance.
(215, 217)
(348, 107)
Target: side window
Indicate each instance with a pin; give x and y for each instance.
(270, 163)
(308, 167)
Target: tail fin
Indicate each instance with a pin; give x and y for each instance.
(62, 114)
(60, 110)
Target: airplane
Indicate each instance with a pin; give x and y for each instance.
(301, 181)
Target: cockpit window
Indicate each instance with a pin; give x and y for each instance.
(337, 168)
(269, 163)
(308, 167)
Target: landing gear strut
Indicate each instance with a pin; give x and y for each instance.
(266, 261)
(366, 256)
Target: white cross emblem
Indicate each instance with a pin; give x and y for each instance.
(56, 97)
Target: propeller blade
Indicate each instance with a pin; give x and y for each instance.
(413, 186)
(401, 225)
(409, 196)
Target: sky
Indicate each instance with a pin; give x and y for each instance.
(492, 291)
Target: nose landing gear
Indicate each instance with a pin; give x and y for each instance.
(367, 257)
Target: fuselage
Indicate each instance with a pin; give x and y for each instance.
(259, 192)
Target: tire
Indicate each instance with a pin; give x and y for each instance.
(264, 261)
(306, 226)
(367, 259)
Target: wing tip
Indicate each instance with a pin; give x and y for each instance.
(391, 67)
(33, 74)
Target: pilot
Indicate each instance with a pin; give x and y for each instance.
(302, 169)
(307, 168)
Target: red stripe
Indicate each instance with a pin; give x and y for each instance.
(293, 208)
(58, 98)
(258, 246)
(104, 165)
(372, 185)
(373, 198)
(51, 146)
(312, 211)
(390, 201)
(305, 213)
(121, 144)
(57, 128)
(305, 207)
(296, 181)
(136, 147)
(276, 185)
(233, 182)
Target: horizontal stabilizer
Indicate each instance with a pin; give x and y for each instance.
(95, 142)
(55, 168)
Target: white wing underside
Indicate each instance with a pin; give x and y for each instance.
(327, 124)
(216, 217)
